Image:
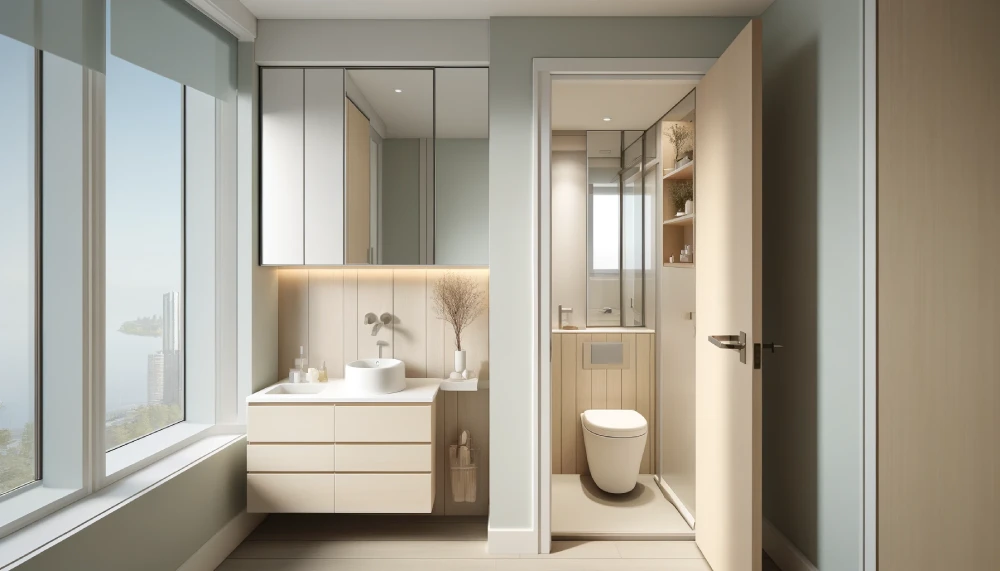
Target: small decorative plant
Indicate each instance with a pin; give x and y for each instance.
(681, 191)
(458, 300)
(680, 135)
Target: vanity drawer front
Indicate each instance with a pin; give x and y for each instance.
(384, 423)
(384, 493)
(291, 493)
(290, 458)
(290, 423)
(384, 458)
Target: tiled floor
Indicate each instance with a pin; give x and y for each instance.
(400, 543)
(580, 510)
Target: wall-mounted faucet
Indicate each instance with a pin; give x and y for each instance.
(377, 323)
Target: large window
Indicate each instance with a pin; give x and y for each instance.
(144, 279)
(18, 275)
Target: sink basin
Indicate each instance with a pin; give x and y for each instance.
(376, 376)
(297, 389)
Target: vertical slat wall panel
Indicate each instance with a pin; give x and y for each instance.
(614, 398)
(575, 389)
(584, 401)
(293, 318)
(323, 311)
(326, 325)
(556, 404)
(569, 422)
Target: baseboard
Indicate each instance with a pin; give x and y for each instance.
(681, 508)
(782, 551)
(215, 551)
(510, 541)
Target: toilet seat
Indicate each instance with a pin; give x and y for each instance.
(614, 423)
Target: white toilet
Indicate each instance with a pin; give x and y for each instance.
(615, 441)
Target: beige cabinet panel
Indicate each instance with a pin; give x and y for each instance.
(292, 423)
(290, 493)
(384, 493)
(384, 458)
(290, 458)
(384, 423)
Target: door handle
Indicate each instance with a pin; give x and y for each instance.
(732, 342)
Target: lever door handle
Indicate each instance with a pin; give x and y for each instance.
(732, 342)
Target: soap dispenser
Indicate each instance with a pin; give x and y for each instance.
(298, 373)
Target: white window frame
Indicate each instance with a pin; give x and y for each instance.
(75, 463)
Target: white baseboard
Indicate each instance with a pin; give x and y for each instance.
(509, 541)
(215, 551)
(681, 508)
(782, 551)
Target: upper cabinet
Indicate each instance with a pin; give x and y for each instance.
(374, 166)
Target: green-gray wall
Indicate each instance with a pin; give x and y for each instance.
(514, 42)
(813, 277)
(401, 201)
(160, 529)
(461, 201)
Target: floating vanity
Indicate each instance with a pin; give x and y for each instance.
(329, 448)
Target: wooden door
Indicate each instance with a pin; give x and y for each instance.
(728, 301)
(938, 285)
(358, 186)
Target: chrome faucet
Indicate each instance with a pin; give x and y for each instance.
(377, 323)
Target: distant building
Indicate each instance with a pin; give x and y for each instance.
(173, 358)
(154, 378)
(171, 322)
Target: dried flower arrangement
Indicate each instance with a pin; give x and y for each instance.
(680, 136)
(681, 191)
(459, 301)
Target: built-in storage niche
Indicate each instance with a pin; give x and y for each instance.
(678, 162)
(374, 166)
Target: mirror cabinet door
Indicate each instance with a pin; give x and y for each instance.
(462, 174)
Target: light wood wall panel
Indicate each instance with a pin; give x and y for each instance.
(323, 310)
(575, 389)
(938, 285)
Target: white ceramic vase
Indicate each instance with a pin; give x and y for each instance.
(689, 207)
(459, 363)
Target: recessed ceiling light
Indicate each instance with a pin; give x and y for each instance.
(607, 118)
(399, 91)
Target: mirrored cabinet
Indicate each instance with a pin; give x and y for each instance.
(374, 166)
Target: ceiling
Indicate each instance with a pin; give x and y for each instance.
(462, 101)
(582, 104)
(478, 9)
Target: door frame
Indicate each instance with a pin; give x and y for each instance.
(869, 230)
(541, 237)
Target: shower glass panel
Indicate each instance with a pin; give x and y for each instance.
(616, 229)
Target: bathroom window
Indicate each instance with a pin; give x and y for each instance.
(19, 400)
(144, 252)
(605, 217)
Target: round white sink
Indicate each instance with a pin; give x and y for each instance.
(376, 376)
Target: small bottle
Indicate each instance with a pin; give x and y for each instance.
(301, 363)
(322, 373)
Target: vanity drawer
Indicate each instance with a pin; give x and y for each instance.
(384, 423)
(291, 493)
(384, 458)
(290, 457)
(290, 423)
(384, 493)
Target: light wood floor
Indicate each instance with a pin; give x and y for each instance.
(396, 543)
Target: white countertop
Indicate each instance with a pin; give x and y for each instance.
(602, 330)
(338, 391)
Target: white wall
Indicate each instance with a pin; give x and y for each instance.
(373, 42)
(514, 392)
(813, 277)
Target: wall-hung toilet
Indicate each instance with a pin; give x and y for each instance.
(614, 441)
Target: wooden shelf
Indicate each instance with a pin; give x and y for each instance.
(685, 172)
(678, 265)
(686, 220)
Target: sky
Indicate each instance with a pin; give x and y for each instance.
(144, 220)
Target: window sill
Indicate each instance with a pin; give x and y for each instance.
(25, 542)
(136, 455)
(30, 504)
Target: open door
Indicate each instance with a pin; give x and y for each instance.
(728, 307)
